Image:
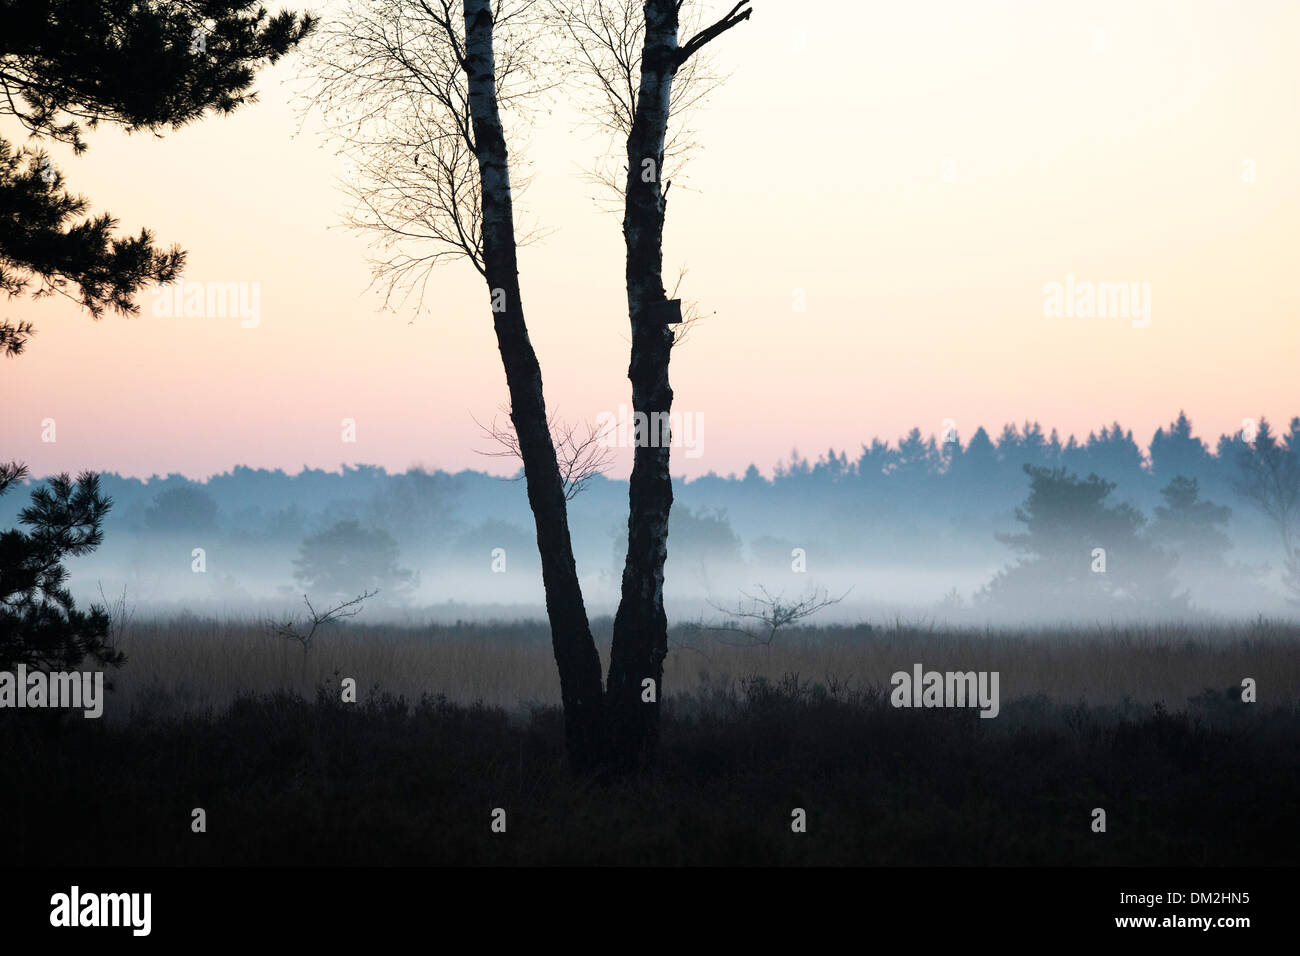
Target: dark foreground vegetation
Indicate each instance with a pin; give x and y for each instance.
(285, 780)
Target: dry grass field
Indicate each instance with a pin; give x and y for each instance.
(191, 665)
(453, 721)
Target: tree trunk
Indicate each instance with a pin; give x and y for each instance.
(640, 626)
(575, 650)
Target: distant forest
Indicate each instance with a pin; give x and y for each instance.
(942, 507)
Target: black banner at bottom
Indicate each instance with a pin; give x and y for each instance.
(336, 906)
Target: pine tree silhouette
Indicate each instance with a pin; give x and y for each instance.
(40, 625)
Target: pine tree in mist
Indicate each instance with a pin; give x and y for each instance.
(40, 624)
(1082, 555)
(143, 65)
(1269, 478)
(1195, 531)
(1191, 527)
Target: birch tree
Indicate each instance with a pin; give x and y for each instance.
(640, 91)
(414, 91)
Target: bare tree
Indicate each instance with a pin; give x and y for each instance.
(429, 79)
(120, 614)
(583, 451)
(305, 635)
(756, 620)
(1269, 478)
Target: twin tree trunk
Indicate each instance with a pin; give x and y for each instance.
(616, 728)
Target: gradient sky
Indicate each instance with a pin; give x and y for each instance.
(1108, 140)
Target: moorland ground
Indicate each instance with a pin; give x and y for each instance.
(453, 722)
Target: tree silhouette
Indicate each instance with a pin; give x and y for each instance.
(757, 620)
(45, 240)
(645, 106)
(1177, 452)
(347, 558)
(304, 635)
(415, 507)
(181, 509)
(65, 67)
(1195, 531)
(1079, 552)
(415, 94)
(1269, 478)
(40, 625)
(976, 468)
(1189, 526)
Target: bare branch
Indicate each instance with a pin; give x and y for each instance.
(606, 38)
(691, 314)
(581, 455)
(120, 614)
(707, 35)
(388, 79)
(758, 619)
(289, 630)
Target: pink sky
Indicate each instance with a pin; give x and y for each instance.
(919, 172)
